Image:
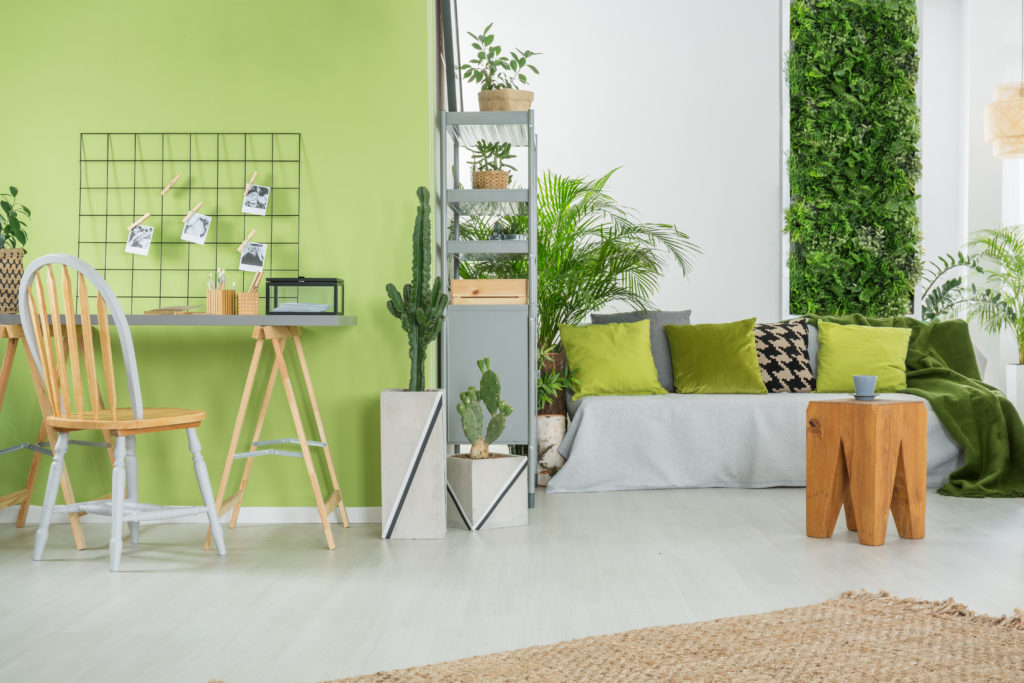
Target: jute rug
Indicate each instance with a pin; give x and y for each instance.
(858, 637)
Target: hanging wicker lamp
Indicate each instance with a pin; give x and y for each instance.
(1004, 121)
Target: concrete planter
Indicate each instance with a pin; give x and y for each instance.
(412, 460)
(487, 493)
(550, 432)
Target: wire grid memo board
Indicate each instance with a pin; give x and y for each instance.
(121, 176)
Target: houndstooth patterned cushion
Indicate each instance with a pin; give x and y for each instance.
(782, 355)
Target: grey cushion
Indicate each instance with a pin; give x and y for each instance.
(659, 342)
(812, 347)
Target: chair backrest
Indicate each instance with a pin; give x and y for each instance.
(55, 319)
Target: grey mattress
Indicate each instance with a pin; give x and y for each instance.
(618, 443)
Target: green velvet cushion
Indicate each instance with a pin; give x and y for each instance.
(611, 359)
(715, 359)
(848, 350)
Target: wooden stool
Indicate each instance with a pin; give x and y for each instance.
(869, 457)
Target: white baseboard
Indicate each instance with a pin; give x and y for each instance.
(248, 515)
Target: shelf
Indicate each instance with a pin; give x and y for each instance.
(489, 202)
(469, 128)
(488, 246)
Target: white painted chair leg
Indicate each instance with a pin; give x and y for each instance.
(50, 497)
(132, 471)
(203, 477)
(117, 504)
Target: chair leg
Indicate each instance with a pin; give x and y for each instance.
(132, 471)
(203, 477)
(117, 504)
(50, 497)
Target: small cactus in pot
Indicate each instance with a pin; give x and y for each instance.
(471, 409)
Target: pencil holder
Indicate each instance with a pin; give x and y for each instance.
(220, 301)
(248, 303)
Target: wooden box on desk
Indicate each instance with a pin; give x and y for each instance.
(484, 292)
(220, 301)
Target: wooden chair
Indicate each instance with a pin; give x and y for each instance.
(45, 308)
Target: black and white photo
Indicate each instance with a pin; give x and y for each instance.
(256, 200)
(139, 239)
(253, 256)
(196, 228)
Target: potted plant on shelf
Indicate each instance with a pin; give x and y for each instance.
(500, 74)
(412, 428)
(13, 221)
(485, 488)
(553, 380)
(490, 166)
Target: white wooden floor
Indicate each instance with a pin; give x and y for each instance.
(280, 607)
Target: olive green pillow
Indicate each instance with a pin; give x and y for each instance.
(611, 359)
(715, 359)
(848, 350)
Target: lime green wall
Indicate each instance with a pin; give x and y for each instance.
(355, 78)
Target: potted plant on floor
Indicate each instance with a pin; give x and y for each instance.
(553, 380)
(499, 73)
(485, 488)
(490, 166)
(13, 221)
(412, 429)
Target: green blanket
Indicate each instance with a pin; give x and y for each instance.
(941, 368)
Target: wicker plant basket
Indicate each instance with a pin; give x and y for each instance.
(248, 303)
(220, 301)
(12, 267)
(490, 180)
(505, 99)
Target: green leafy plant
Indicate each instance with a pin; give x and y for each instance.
(946, 293)
(492, 156)
(13, 221)
(493, 68)
(419, 307)
(552, 380)
(1001, 254)
(471, 410)
(854, 160)
(591, 251)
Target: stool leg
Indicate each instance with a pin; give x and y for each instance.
(851, 516)
(826, 476)
(909, 492)
(117, 504)
(206, 490)
(53, 481)
(132, 472)
(872, 475)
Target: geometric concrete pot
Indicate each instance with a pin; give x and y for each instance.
(412, 460)
(486, 493)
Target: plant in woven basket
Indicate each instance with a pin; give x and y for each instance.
(493, 68)
(489, 163)
(13, 221)
(471, 409)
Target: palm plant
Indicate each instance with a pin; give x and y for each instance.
(1001, 251)
(591, 251)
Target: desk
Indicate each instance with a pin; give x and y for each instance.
(277, 329)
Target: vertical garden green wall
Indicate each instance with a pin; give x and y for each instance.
(854, 161)
(354, 77)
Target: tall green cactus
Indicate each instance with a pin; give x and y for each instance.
(472, 414)
(420, 307)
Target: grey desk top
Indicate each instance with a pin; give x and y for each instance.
(206, 320)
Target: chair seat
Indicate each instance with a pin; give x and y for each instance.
(124, 421)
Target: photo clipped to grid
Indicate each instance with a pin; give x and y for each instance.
(202, 194)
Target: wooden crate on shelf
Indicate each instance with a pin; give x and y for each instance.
(489, 292)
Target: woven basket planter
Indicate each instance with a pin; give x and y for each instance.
(490, 180)
(12, 267)
(505, 99)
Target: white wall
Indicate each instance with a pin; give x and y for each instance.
(685, 96)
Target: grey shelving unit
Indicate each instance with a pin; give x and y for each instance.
(505, 334)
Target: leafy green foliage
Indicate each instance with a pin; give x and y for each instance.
(492, 156)
(1001, 254)
(946, 293)
(13, 221)
(854, 161)
(552, 382)
(419, 307)
(493, 68)
(591, 251)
